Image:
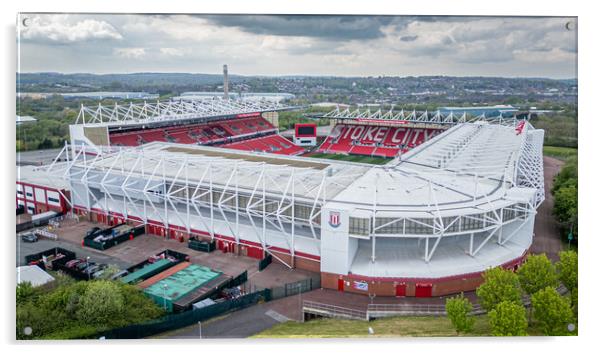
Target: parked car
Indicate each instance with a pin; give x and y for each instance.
(83, 265)
(119, 274)
(73, 263)
(97, 270)
(91, 269)
(93, 230)
(29, 238)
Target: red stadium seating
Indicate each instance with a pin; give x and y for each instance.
(271, 144)
(220, 131)
(372, 140)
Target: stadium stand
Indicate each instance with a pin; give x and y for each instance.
(375, 140)
(198, 133)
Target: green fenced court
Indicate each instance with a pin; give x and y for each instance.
(168, 290)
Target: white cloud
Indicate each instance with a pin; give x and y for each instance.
(130, 53)
(172, 51)
(492, 46)
(66, 29)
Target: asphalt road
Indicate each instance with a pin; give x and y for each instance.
(239, 324)
(39, 157)
(547, 237)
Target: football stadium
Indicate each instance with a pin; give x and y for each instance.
(448, 197)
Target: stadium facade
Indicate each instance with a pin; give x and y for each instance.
(427, 223)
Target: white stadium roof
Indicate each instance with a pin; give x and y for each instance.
(471, 166)
(171, 111)
(471, 180)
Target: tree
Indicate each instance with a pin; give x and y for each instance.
(574, 300)
(45, 144)
(567, 269)
(567, 176)
(78, 309)
(25, 291)
(537, 273)
(458, 309)
(552, 312)
(101, 302)
(565, 204)
(508, 319)
(499, 285)
(565, 191)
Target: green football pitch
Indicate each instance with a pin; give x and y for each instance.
(352, 158)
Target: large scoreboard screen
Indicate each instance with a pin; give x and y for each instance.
(305, 134)
(305, 130)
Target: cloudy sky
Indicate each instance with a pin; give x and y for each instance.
(300, 45)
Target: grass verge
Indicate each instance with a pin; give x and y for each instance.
(562, 153)
(403, 326)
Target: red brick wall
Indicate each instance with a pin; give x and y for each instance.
(307, 264)
(386, 287)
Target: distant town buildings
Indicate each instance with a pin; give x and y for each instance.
(276, 97)
(482, 110)
(93, 95)
(330, 105)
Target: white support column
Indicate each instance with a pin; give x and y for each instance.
(236, 203)
(86, 168)
(470, 249)
(166, 220)
(263, 231)
(211, 205)
(373, 248)
(293, 220)
(144, 211)
(187, 196)
(499, 234)
(124, 210)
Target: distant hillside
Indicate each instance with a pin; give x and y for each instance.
(116, 81)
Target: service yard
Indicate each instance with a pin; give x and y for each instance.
(71, 234)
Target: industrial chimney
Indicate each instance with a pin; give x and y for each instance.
(225, 81)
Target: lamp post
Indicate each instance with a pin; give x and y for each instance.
(200, 331)
(88, 266)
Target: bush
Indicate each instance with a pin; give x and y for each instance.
(80, 309)
(25, 291)
(31, 316)
(72, 332)
(499, 285)
(508, 319)
(552, 312)
(565, 204)
(101, 302)
(458, 310)
(568, 175)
